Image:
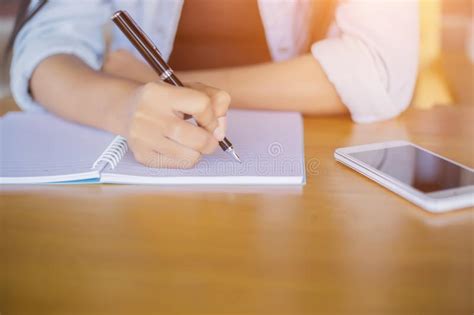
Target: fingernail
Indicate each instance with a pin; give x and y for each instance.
(219, 132)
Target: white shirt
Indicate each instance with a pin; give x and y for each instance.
(370, 53)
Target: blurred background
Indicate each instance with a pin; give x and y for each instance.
(446, 57)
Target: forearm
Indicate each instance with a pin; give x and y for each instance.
(299, 84)
(66, 86)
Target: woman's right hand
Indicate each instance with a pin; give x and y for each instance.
(156, 132)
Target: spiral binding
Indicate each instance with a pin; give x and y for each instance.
(113, 153)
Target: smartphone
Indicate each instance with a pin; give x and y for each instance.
(427, 179)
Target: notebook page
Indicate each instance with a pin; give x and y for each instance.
(270, 145)
(39, 147)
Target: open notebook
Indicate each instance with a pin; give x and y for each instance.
(41, 148)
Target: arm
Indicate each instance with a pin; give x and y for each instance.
(149, 115)
(56, 66)
(66, 86)
(370, 67)
(299, 84)
(370, 59)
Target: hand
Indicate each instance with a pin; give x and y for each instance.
(157, 133)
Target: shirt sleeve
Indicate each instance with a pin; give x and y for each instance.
(60, 27)
(373, 60)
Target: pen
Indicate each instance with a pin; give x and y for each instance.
(152, 55)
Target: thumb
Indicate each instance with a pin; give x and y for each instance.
(220, 131)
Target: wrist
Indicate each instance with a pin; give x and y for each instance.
(119, 110)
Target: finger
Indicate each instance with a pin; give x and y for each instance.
(192, 136)
(148, 156)
(173, 149)
(220, 102)
(198, 105)
(177, 130)
(220, 99)
(158, 142)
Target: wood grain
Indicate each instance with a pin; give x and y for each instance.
(340, 245)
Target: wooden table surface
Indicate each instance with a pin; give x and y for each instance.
(340, 245)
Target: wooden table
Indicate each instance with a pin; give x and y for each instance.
(340, 245)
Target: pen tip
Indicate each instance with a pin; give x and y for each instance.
(236, 157)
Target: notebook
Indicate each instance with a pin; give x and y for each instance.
(42, 148)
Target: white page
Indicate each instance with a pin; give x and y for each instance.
(40, 148)
(270, 145)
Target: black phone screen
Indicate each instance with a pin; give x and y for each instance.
(417, 168)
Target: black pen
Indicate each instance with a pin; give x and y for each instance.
(152, 55)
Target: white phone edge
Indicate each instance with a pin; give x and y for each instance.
(435, 205)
